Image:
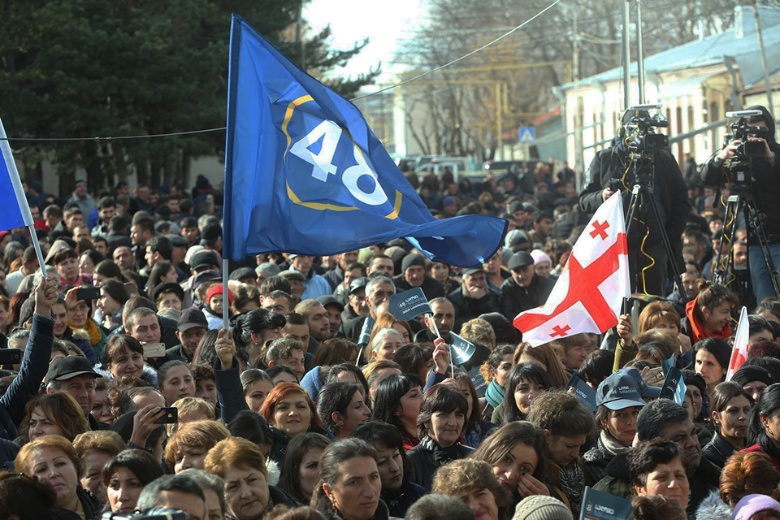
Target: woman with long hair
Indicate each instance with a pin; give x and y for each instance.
(517, 455)
(342, 407)
(301, 468)
(125, 477)
(527, 381)
(708, 315)
(398, 401)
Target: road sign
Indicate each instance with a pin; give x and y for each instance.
(526, 135)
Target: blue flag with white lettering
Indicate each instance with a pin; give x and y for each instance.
(305, 174)
(12, 214)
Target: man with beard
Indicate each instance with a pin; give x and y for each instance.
(473, 298)
(317, 319)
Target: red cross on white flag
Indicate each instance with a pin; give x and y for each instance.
(739, 352)
(589, 294)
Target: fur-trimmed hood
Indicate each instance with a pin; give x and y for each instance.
(713, 508)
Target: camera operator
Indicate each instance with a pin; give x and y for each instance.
(610, 170)
(765, 187)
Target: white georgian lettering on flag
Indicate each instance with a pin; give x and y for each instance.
(739, 352)
(589, 294)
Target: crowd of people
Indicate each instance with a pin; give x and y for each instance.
(123, 389)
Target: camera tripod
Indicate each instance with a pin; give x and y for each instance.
(741, 202)
(641, 198)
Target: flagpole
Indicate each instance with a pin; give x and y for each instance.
(225, 293)
(438, 335)
(21, 200)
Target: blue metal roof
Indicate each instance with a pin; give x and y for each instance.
(712, 50)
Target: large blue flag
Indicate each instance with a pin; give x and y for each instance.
(305, 174)
(14, 210)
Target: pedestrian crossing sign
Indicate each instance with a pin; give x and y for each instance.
(526, 135)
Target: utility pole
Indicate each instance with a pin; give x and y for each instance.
(299, 36)
(767, 80)
(626, 54)
(499, 123)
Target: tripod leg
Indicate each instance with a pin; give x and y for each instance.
(721, 272)
(630, 212)
(753, 220)
(668, 246)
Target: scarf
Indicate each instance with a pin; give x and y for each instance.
(767, 446)
(611, 444)
(441, 456)
(93, 330)
(494, 394)
(697, 328)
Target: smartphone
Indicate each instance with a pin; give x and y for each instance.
(170, 415)
(10, 356)
(88, 293)
(154, 350)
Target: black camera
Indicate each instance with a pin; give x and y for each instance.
(615, 184)
(748, 149)
(640, 129)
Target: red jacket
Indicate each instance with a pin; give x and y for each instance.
(756, 447)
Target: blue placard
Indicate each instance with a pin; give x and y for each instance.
(584, 393)
(597, 505)
(409, 304)
(526, 135)
(666, 364)
(672, 384)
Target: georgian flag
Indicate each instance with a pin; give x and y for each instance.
(589, 294)
(739, 352)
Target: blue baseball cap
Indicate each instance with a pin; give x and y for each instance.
(619, 391)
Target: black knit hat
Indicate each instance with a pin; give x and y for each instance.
(750, 373)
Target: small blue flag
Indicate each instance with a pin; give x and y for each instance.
(409, 304)
(674, 387)
(461, 350)
(584, 393)
(14, 213)
(305, 174)
(598, 505)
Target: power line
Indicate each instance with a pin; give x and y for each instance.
(467, 55)
(112, 138)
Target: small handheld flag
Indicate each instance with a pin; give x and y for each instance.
(15, 209)
(461, 350)
(305, 174)
(409, 304)
(739, 352)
